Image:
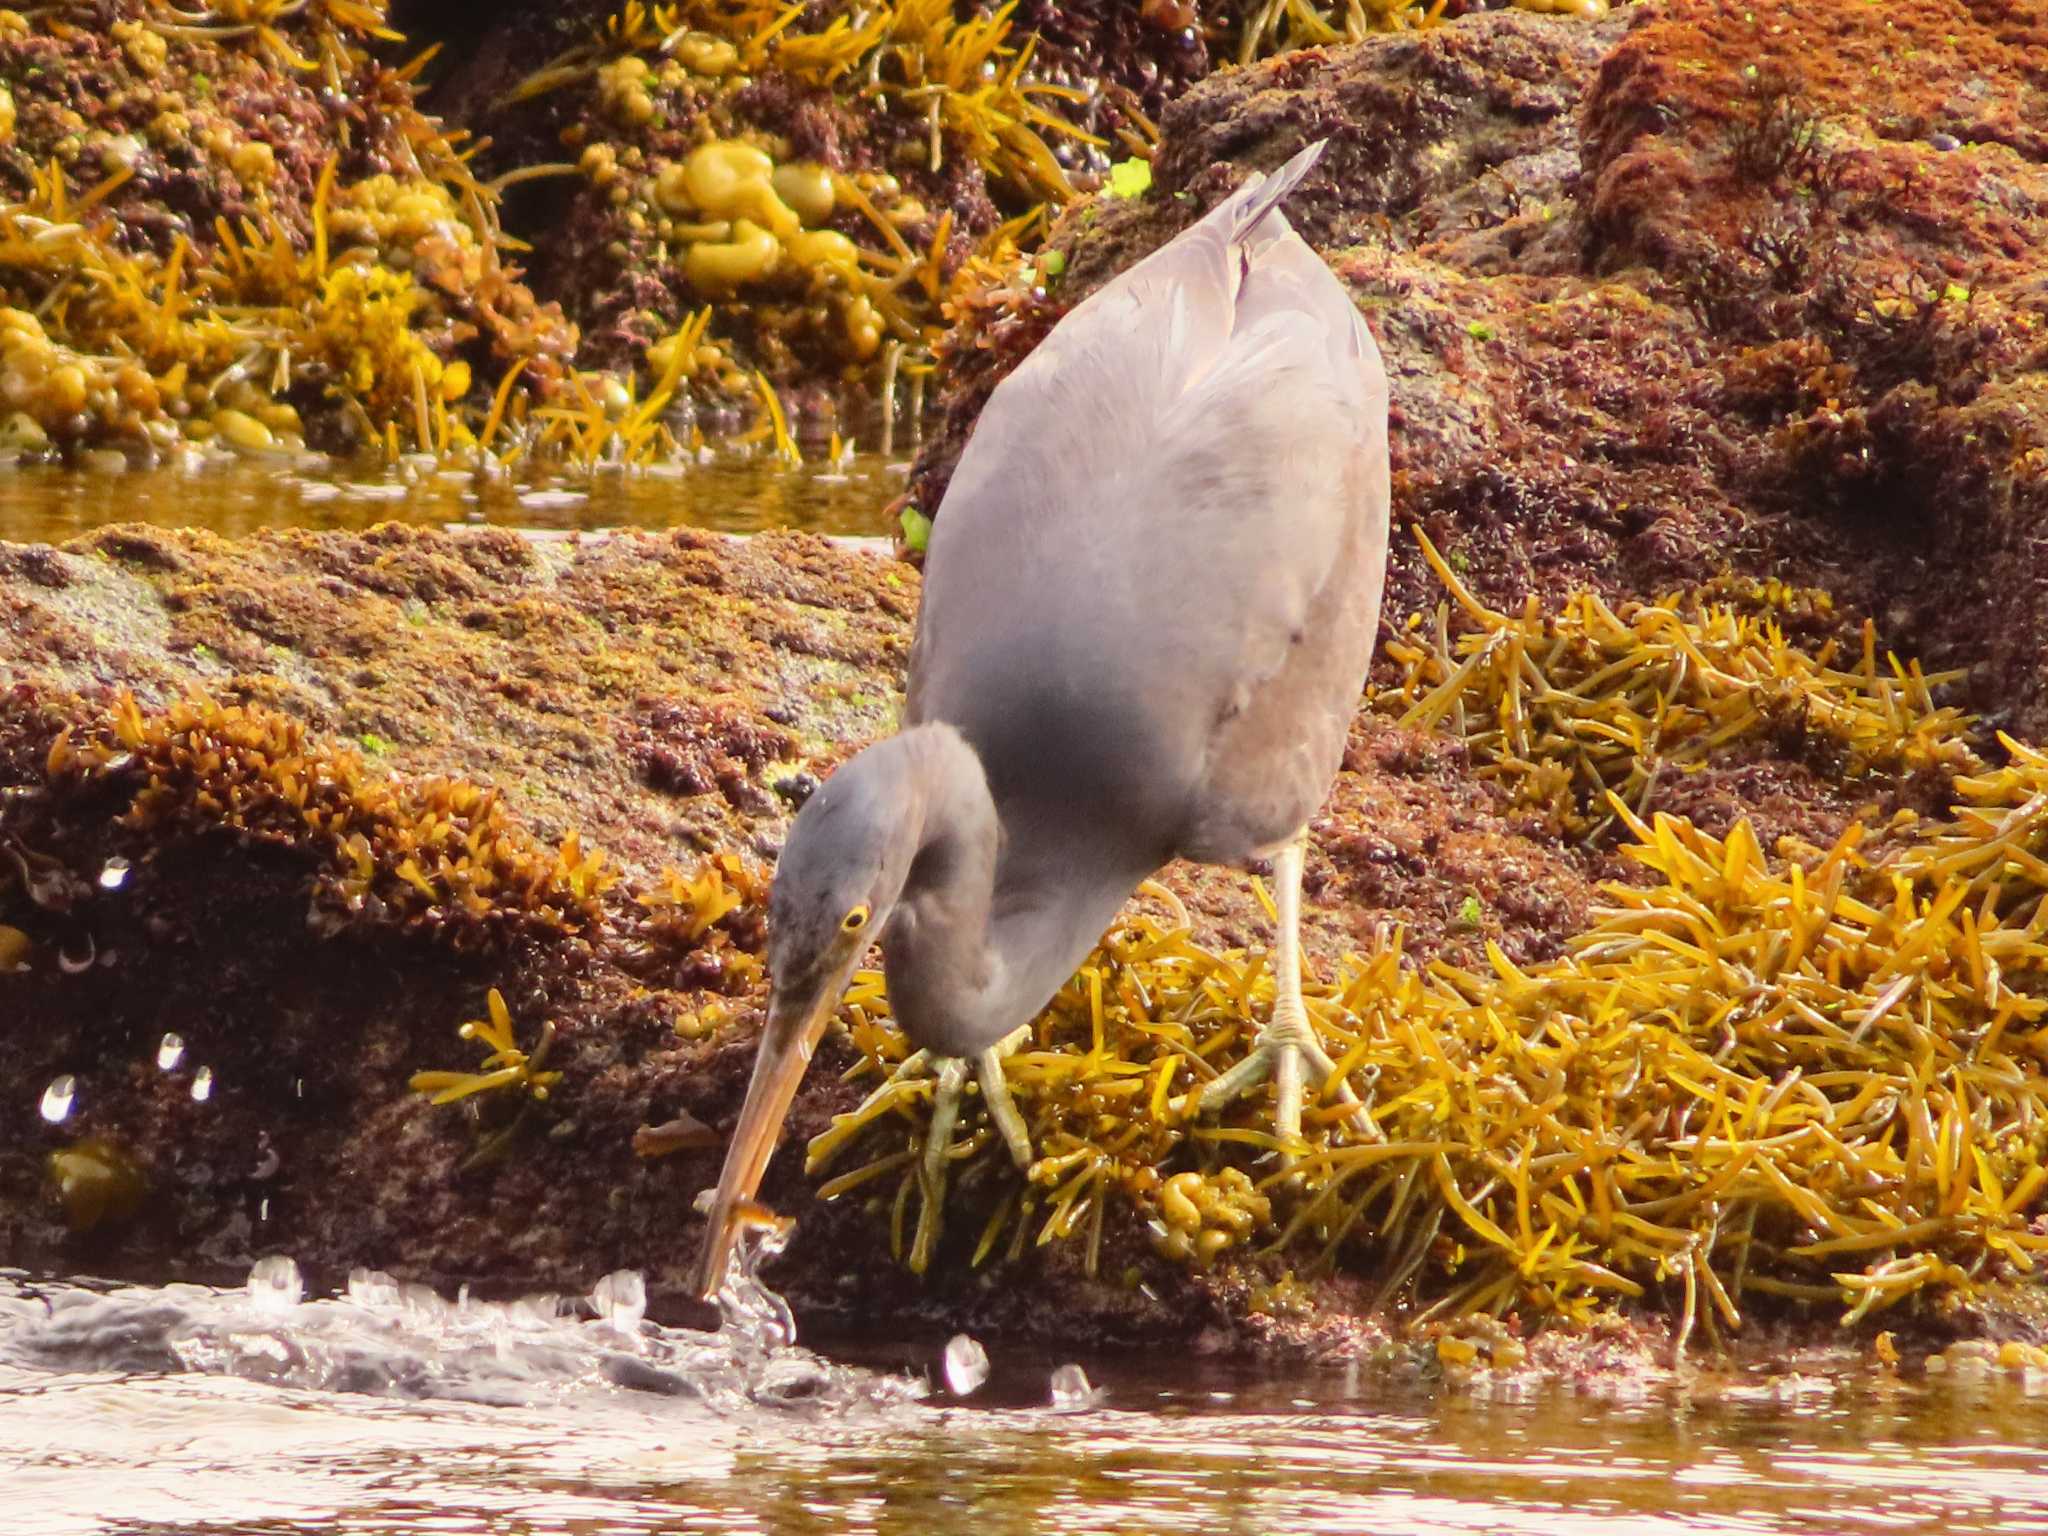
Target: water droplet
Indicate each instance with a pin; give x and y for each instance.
(621, 1299)
(966, 1365)
(114, 874)
(72, 963)
(1071, 1389)
(274, 1283)
(372, 1290)
(202, 1085)
(57, 1098)
(169, 1052)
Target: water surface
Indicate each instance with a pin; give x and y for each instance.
(726, 492)
(391, 1413)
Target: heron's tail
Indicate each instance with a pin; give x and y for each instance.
(1240, 213)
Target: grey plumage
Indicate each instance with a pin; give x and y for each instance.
(1149, 605)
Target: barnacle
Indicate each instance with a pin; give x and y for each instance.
(1811, 1077)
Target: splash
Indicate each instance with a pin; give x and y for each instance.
(390, 1338)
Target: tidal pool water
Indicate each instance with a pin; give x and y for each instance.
(727, 492)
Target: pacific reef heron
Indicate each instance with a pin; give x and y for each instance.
(1150, 600)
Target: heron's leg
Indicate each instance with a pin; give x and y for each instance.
(995, 1095)
(947, 1093)
(1288, 1050)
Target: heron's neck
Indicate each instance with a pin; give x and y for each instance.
(936, 947)
(988, 927)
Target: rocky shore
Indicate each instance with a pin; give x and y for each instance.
(1743, 304)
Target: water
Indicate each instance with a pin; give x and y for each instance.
(965, 1365)
(391, 1411)
(731, 494)
(55, 1106)
(1072, 1390)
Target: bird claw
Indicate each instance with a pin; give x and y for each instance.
(1289, 1055)
(948, 1090)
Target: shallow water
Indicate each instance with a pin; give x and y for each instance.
(388, 1412)
(727, 492)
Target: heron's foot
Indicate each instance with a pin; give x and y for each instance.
(1289, 1054)
(948, 1087)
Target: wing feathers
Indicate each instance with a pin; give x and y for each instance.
(1149, 517)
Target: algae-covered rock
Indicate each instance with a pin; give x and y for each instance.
(365, 779)
(305, 804)
(812, 181)
(1701, 285)
(246, 234)
(592, 232)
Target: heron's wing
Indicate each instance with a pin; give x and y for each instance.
(1104, 377)
(1278, 462)
(1148, 513)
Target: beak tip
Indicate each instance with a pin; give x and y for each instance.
(785, 1051)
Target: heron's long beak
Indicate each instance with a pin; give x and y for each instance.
(794, 1029)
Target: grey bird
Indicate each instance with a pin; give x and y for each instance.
(1149, 605)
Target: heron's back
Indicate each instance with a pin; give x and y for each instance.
(1154, 582)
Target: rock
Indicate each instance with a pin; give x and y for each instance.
(752, 659)
(243, 238)
(1687, 290)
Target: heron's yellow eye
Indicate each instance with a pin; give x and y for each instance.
(855, 920)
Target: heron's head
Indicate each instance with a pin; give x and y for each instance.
(836, 882)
